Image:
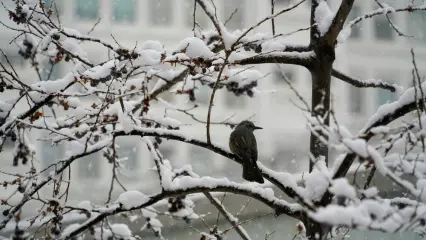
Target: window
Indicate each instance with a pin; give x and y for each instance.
(416, 25)
(54, 5)
(90, 166)
(279, 72)
(386, 96)
(14, 59)
(288, 160)
(123, 10)
(166, 151)
(356, 100)
(200, 16)
(160, 12)
(355, 30)
(202, 94)
(87, 9)
(51, 72)
(382, 28)
(286, 2)
(234, 14)
(128, 155)
(356, 95)
(233, 101)
(201, 160)
(50, 155)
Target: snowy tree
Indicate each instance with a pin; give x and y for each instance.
(97, 102)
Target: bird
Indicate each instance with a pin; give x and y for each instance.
(242, 143)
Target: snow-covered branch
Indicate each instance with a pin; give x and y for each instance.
(135, 200)
(371, 83)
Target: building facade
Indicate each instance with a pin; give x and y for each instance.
(373, 50)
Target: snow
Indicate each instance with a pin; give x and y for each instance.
(341, 187)
(317, 182)
(323, 17)
(194, 47)
(85, 205)
(70, 229)
(243, 76)
(359, 146)
(100, 71)
(132, 199)
(117, 230)
(273, 45)
(153, 45)
(148, 57)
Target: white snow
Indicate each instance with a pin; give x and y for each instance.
(194, 47)
(323, 17)
(153, 45)
(243, 76)
(341, 187)
(131, 199)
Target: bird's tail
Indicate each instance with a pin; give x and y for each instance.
(251, 172)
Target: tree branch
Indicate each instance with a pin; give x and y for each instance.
(294, 58)
(380, 119)
(276, 204)
(338, 21)
(360, 83)
(228, 216)
(176, 135)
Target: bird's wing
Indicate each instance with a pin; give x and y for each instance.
(244, 145)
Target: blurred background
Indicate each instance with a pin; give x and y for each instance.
(373, 50)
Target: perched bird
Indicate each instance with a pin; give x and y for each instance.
(242, 143)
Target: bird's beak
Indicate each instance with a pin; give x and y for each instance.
(256, 127)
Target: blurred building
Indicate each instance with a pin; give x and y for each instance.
(373, 50)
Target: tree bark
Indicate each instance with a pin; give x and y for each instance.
(321, 83)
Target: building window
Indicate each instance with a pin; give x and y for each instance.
(234, 14)
(87, 9)
(128, 155)
(386, 96)
(201, 161)
(283, 2)
(90, 166)
(416, 25)
(382, 28)
(50, 155)
(161, 13)
(54, 5)
(202, 94)
(355, 30)
(356, 95)
(279, 72)
(123, 10)
(287, 160)
(356, 100)
(51, 72)
(200, 16)
(233, 101)
(15, 60)
(166, 151)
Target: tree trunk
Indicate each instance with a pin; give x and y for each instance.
(321, 83)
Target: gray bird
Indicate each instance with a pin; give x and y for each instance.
(242, 143)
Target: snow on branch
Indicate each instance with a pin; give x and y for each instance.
(284, 182)
(338, 19)
(384, 11)
(373, 83)
(187, 185)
